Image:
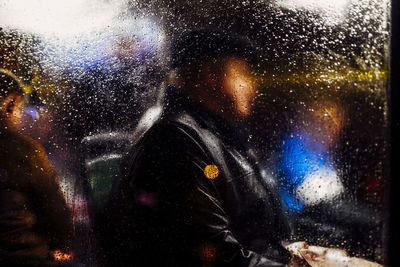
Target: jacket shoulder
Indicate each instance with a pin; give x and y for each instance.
(23, 148)
(181, 133)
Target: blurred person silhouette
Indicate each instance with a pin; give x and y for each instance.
(310, 166)
(306, 162)
(35, 223)
(193, 193)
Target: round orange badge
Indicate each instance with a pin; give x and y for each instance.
(211, 171)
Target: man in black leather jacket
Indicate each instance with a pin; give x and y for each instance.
(194, 194)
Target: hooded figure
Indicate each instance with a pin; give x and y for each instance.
(34, 219)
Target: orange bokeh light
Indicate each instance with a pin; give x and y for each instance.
(62, 256)
(211, 171)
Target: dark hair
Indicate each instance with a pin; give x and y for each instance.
(205, 44)
(9, 83)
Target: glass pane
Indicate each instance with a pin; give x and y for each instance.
(97, 76)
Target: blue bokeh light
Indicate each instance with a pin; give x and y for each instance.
(297, 161)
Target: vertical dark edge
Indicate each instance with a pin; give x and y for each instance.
(394, 107)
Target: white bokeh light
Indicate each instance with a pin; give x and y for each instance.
(320, 186)
(332, 10)
(337, 5)
(57, 17)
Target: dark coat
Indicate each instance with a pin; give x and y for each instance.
(34, 218)
(166, 212)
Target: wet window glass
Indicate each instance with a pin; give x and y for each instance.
(209, 133)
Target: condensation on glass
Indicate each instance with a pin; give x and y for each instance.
(92, 69)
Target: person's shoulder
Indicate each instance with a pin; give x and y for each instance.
(31, 145)
(166, 131)
(34, 150)
(19, 143)
(173, 134)
(29, 153)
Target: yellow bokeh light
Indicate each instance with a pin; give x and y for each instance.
(211, 171)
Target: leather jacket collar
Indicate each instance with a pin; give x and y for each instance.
(235, 132)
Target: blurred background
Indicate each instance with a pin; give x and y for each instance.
(93, 68)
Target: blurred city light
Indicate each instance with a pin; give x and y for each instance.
(333, 11)
(338, 6)
(82, 35)
(58, 17)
